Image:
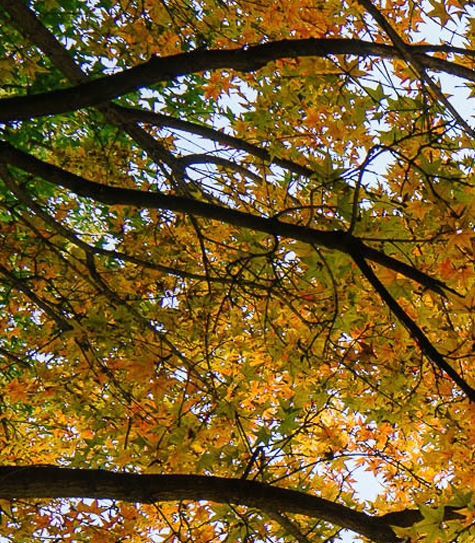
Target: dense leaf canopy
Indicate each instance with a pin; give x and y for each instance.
(237, 270)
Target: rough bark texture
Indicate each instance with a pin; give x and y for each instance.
(21, 482)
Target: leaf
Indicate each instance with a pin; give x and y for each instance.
(460, 498)
(440, 11)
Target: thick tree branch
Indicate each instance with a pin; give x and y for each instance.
(127, 118)
(337, 239)
(159, 69)
(70, 235)
(24, 482)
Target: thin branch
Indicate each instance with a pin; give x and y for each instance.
(413, 61)
(70, 235)
(289, 527)
(427, 348)
(202, 158)
(20, 285)
(159, 119)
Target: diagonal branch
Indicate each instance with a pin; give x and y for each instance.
(70, 235)
(334, 239)
(413, 61)
(287, 525)
(34, 29)
(159, 119)
(414, 330)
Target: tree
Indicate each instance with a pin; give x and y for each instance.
(237, 247)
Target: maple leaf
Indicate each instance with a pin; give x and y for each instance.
(441, 11)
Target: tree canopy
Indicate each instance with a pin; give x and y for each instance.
(237, 270)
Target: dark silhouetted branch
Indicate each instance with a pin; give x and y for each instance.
(23, 482)
(159, 69)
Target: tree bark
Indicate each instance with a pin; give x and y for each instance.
(249, 59)
(22, 482)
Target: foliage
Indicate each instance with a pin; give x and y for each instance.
(237, 241)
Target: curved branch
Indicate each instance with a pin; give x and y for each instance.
(203, 158)
(333, 239)
(70, 235)
(26, 19)
(20, 482)
(159, 69)
(159, 119)
(39, 35)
